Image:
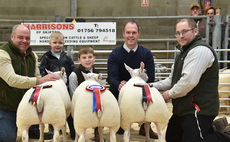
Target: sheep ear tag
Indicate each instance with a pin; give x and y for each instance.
(96, 89)
(35, 97)
(147, 96)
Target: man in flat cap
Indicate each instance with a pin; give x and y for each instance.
(201, 23)
(195, 9)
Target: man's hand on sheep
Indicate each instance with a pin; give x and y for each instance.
(48, 77)
(121, 85)
(165, 95)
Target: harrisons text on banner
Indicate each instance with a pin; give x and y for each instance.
(82, 33)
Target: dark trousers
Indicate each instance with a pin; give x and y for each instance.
(34, 129)
(185, 129)
(71, 127)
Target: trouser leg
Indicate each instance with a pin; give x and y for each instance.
(191, 129)
(71, 127)
(8, 128)
(174, 131)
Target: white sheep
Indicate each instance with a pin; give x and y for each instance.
(53, 108)
(224, 78)
(133, 110)
(84, 116)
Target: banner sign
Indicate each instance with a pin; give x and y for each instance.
(80, 33)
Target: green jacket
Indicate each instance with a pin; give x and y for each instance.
(205, 94)
(10, 97)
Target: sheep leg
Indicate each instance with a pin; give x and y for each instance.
(147, 127)
(112, 135)
(64, 133)
(25, 137)
(228, 109)
(76, 137)
(160, 132)
(56, 134)
(100, 131)
(127, 134)
(41, 127)
(82, 137)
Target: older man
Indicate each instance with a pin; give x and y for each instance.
(18, 72)
(201, 23)
(193, 88)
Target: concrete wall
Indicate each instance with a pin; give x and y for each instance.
(33, 9)
(125, 8)
(48, 9)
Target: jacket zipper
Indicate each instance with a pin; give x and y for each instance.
(26, 69)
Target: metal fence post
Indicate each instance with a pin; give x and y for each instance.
(226, 39)
(69, 51)
(216, 37)
(207, 30)
(59, 18)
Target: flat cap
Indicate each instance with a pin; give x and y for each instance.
(194, 5)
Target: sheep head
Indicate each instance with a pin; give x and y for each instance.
(61, 74)
(92, 76)
(141, 72)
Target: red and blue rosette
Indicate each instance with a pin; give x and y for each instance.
(97, 89)
(35, 97)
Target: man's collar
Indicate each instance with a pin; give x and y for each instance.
(127, 48)
(185, 47)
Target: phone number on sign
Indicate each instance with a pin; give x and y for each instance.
(97, 30)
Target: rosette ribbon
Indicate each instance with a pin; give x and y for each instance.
(97, 89)
(146, 92)
(35, 97)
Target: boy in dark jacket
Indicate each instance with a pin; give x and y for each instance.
(56, 58)
(53, 60)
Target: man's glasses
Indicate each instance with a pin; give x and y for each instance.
(183, 32)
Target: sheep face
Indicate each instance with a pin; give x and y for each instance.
(61, 74)
(92, 76)
(141, 72)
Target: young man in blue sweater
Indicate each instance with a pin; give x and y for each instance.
(132, 54)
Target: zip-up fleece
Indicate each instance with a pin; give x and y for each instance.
(10, 97)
